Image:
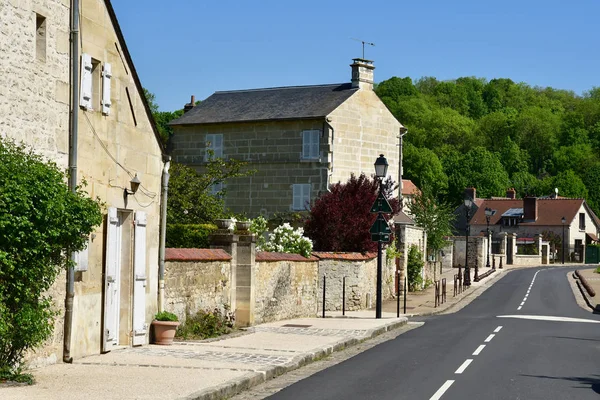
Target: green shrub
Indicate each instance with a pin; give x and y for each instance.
(166, 316)
(414, 268)
(189, 235)
(40, 218)
(206, 324)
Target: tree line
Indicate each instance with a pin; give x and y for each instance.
(496, 135)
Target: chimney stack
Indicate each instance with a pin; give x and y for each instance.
(190, 105)
(362, 73)
(530, 208)
(511, 193)
(471, 193)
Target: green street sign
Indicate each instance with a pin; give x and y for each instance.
(380, 226)
(376, 237)
(381, 205)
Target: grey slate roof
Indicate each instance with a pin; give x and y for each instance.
(294, 102)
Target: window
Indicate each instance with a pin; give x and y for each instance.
(90, 82)
(310, 144)
(301, 196)
(214, 146)
(40, 37)
(582, 221)
(216, 188)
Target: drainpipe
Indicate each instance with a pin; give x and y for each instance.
(327, 120)
(163, 232)
(70, 286)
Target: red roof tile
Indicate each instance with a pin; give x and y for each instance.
(550, 211)
(327, 255)
(273, 256)
(409, 188)
(196, 255)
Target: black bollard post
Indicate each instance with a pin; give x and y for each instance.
(324, 281)
(500, 262)
(398, 295)
(405, 290)
(493, 262)
(344, 295)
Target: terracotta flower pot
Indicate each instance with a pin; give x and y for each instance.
(164, 331)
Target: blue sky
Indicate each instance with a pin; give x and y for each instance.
(186, 47)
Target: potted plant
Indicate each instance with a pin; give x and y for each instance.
(164, 327)
(223, 223)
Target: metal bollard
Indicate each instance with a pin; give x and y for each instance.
(324, 282)
(344, 295)
(443, 290)
(493, 262)
(398, 295)
(405, 291)
(500, 263)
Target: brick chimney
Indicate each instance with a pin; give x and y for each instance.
(362, 73)
(471, 193)
(511, 193)
(530, 208)
(189, 105)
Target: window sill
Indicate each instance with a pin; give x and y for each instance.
(309, 160)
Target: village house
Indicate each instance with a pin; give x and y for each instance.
(109, 141)
(300, 139)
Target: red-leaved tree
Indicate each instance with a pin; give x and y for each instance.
(340, 220)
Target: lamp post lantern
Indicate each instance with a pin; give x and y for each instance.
(563, 220)
(489, 213)
(467, 278)
(381, 166)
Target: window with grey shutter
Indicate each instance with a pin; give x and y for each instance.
(214, 145)
(301, 196)
(310, 144)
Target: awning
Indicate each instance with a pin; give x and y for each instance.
(593, 237)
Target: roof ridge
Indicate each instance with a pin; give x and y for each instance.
(279, 88)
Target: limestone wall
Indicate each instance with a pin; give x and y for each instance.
(191, 286)
(285, 288)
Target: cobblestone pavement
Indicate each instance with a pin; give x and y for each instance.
(312, 331)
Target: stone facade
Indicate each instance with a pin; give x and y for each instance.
(351, 138)
(35, 91)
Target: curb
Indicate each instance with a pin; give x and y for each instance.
(584, 294)
(236, 386)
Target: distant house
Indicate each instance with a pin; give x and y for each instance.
(409, 190)
(299, 139)
(531, 216)
(116, 279)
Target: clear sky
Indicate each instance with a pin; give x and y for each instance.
(185, 47)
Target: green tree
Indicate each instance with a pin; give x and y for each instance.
(414, 267)
(425, 169)
(162, 118)
(570, 185)
(39, 219)
(436, 218)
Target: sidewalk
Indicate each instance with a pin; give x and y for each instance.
(592, 303)
(219, 369)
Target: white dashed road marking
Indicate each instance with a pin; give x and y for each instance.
(464, 366)
(479, 349)
(528, 290)
(497, 329)
(442, 390)
(489, 338)
(549, 318)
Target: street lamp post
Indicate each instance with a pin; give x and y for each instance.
(381, 166)
(467, 278)
(563, 220)
(488, 214)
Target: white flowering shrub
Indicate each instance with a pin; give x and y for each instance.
(286, 239)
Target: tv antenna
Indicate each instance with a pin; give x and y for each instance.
(363, 45)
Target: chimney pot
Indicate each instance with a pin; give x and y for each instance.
(511, 193)
(190, 105)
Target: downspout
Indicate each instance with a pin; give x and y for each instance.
(403, 132)
(327, 120)
(163, 232)
(70, 285)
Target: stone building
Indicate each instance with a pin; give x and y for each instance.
(113, 138)
(299, 139)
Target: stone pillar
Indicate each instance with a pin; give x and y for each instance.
(503, 242)
(538, 243)
(243, 258)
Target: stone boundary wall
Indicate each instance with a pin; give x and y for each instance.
(197, 279)
(285, 286)
(360, 271)
(527, 260)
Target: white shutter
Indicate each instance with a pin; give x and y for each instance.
(314, 152)
(218, 146)
(139, 286)
(297, 196)
(85, 100)
(111, 282)
(82, 259)
(305, 196)
(306, 144)
(106, 78)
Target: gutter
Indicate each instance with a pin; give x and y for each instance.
(403, 131)
(327, 119)
(73, 136)
(163, 232)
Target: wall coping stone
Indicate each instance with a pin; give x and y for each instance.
(330, 255)
(172, 254)
(274, 256)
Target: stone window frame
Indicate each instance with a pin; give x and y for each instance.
(40, 37)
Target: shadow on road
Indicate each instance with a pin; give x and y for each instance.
(576, 338)
(594, 383)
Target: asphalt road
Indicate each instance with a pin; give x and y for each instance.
(515, 341)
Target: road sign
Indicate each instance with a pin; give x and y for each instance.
(381, 205)
(384, 237)
(380, 226)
